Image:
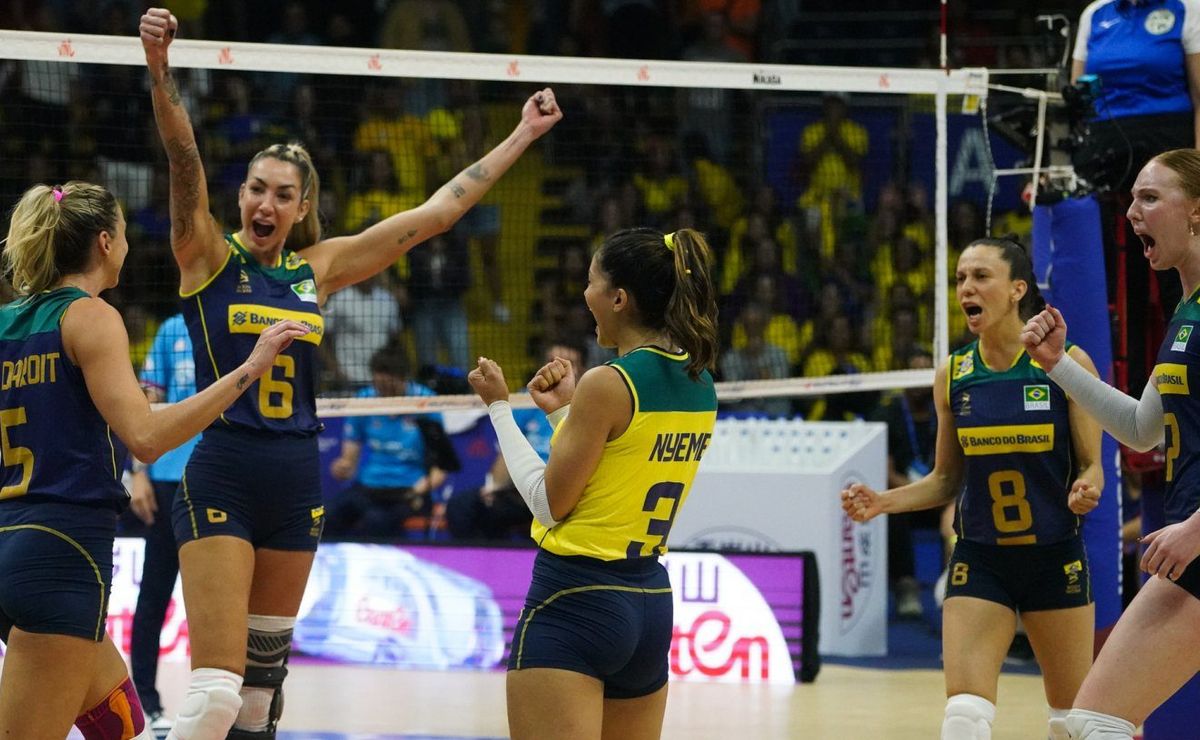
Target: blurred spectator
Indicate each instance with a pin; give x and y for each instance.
(895, 339)
(783, 329)
(565, 288)
(831, 151)
(497, 511)
(360, 321)
(323, 138)
(758, 359)
(906, 265)
(836, 350)
(713, 184)
(787, 293)
(661, 186)
(406, 459)
(294, 31)
(739, 24)
(388, 126)
(379, 197)
(709, 111)
(764, 219)
(455, 133)
(439, 277)
(425, 25)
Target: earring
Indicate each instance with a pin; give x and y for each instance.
(1191, 229)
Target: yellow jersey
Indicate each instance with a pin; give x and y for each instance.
(644, 475)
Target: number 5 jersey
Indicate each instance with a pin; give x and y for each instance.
(56, 445)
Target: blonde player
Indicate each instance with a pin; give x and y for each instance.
(71, 408)
(249, 514)
(589, 655)
(1153, 649)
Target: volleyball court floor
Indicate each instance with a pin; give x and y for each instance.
(338, 702)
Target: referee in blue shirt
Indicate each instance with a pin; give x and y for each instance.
(1146, 56)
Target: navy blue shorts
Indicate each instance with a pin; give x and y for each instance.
(1025, 578)
(262, 488)
(609, 620)
(1190, 580)
(57, 562)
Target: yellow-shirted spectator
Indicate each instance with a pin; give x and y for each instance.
(905, 264)
(405, 137)
(831, 154)
(380, 197)
(714, 183)
(787, 326)
(763, 220)
(661, 187)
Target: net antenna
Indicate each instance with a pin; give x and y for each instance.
(768, 82)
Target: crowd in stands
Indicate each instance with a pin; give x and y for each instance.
(811, 282)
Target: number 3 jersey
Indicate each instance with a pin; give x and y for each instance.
(644, 475)
(1015, 433)
(54, 442)
(225, 317)
(1176, 371)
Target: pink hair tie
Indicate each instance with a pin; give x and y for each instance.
(58, 194)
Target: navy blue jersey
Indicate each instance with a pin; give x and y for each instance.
(1015, 433)
(226, 315)
(53, 442)
(1176, 371)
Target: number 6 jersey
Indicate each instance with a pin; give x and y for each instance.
(1015, 433)
(226, 315)
(644, 475)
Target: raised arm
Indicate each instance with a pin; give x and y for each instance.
(1135, 423)
(195, 238)
(94, 338)
(344, 261)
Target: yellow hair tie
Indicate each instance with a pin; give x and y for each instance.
(669, 240)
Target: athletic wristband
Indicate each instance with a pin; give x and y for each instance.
(525, 466)
(557, 416)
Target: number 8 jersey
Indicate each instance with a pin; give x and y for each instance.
(226, 315)
(1015, 432)
(630, 502)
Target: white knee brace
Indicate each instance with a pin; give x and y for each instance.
(1058, 725)
(1085, 725)
(210, 707)
(968, 717)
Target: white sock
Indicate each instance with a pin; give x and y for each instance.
(1087, 725)
(1058, 725)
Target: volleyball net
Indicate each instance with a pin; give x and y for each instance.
(835, 199)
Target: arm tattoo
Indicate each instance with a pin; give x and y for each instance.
(478, 172)
(406, 237)
(242, 381)
(458, 190)
(186, 181)
(169, 85)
